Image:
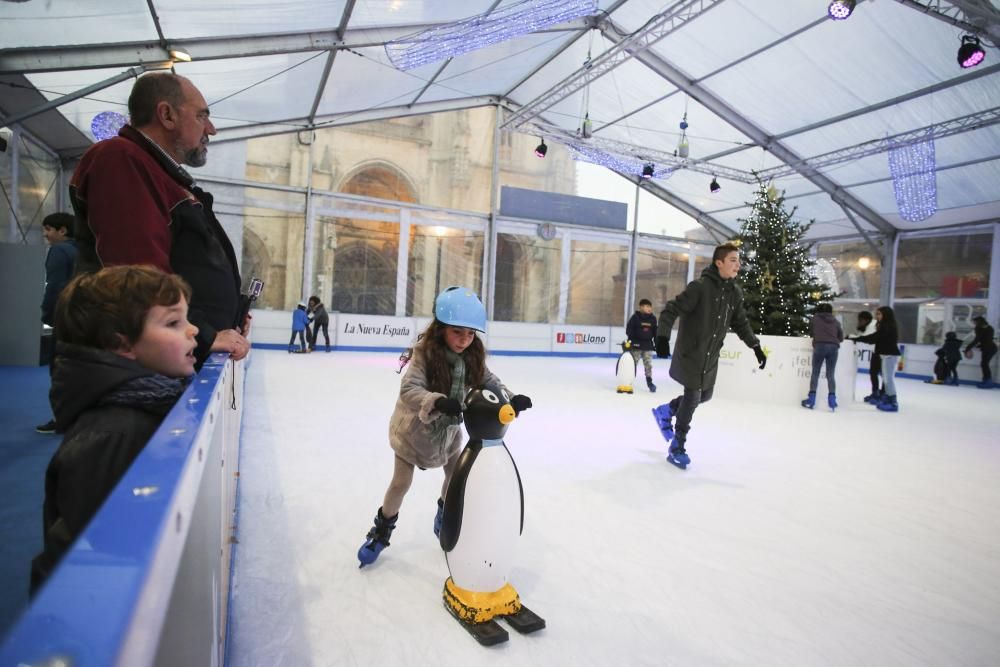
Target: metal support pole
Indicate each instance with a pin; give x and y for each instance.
(403, 263)
(309, 242)
(887, 288)
(993, 302)
(565, 267)
(14, 148)
(633, 253)
(490, 240)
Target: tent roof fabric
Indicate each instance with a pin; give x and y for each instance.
(764, 83)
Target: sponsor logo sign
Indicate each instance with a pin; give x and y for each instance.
(581, 340)
(374, 331)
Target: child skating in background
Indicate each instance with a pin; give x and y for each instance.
(320, 320)
(827, 335)
(425, 429)
(866, 326)
(640, 334)
(886, 341)
(949, 355)
(987, 346)
(300, 320)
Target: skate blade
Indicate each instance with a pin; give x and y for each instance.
(674, 462)
(525, 621)
(489, 633)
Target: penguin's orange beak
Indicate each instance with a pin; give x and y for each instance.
(506, 415)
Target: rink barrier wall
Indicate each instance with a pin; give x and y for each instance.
(377, 333)
(147, 583)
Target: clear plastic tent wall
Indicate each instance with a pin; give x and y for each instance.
(750, 76)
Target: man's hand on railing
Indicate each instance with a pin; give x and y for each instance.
(229, 340)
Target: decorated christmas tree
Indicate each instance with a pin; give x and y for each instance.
(778, 277)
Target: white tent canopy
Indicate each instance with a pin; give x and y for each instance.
(764, 83)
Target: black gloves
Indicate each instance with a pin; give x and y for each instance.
(520, 402)
(663, 347)
(448, 406)
(761, 357)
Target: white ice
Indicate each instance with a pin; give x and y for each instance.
(795, 537)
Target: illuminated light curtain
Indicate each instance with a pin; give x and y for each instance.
(476, 32)
(914, 178)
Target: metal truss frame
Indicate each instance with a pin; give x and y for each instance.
(975, 16)
(623, 49)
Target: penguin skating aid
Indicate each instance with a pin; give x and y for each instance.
(482, 520)
(625, 371)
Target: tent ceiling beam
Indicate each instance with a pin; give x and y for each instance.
(861, 230)
(83, 92)
(568, 43)
(974, 16)
(717, 106)
(290, 125)
(900, 99)
(713, 226)
(623, 49)
(331, 56)
(805, 166)
(742, 59)
(28, 60)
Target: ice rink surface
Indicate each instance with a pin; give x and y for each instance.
(795, 537)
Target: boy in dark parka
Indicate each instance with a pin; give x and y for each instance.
(708, 308)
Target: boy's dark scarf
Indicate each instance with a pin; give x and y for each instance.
(457, 363)
(155, 393)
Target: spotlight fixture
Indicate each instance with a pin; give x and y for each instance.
(971, 52)
(180, 56)
(840, 9)
(714, 185)
(647, 170)
(541, 149)
(863, 264)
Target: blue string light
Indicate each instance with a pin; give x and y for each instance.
(475, 32)
(913, 167)
(621, 164)
(106, 124)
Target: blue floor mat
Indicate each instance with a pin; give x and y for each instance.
(24, 454)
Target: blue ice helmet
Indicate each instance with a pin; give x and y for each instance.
(460, 307)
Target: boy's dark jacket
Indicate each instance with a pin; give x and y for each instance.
(951, 350)
(109, 407)
(60, 262)
(708, 308)
(641, 330)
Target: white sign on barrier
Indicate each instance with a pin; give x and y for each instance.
(375, 331)
(785, 379)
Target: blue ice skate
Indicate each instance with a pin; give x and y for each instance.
(810, 401)
(677, 455)
(377, 539)
(831, 400)
(664, 419)
(888, 404)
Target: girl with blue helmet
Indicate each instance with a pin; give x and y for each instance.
(425, 429)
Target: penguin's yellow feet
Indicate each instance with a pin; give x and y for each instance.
(624, 389)
(476, 607)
